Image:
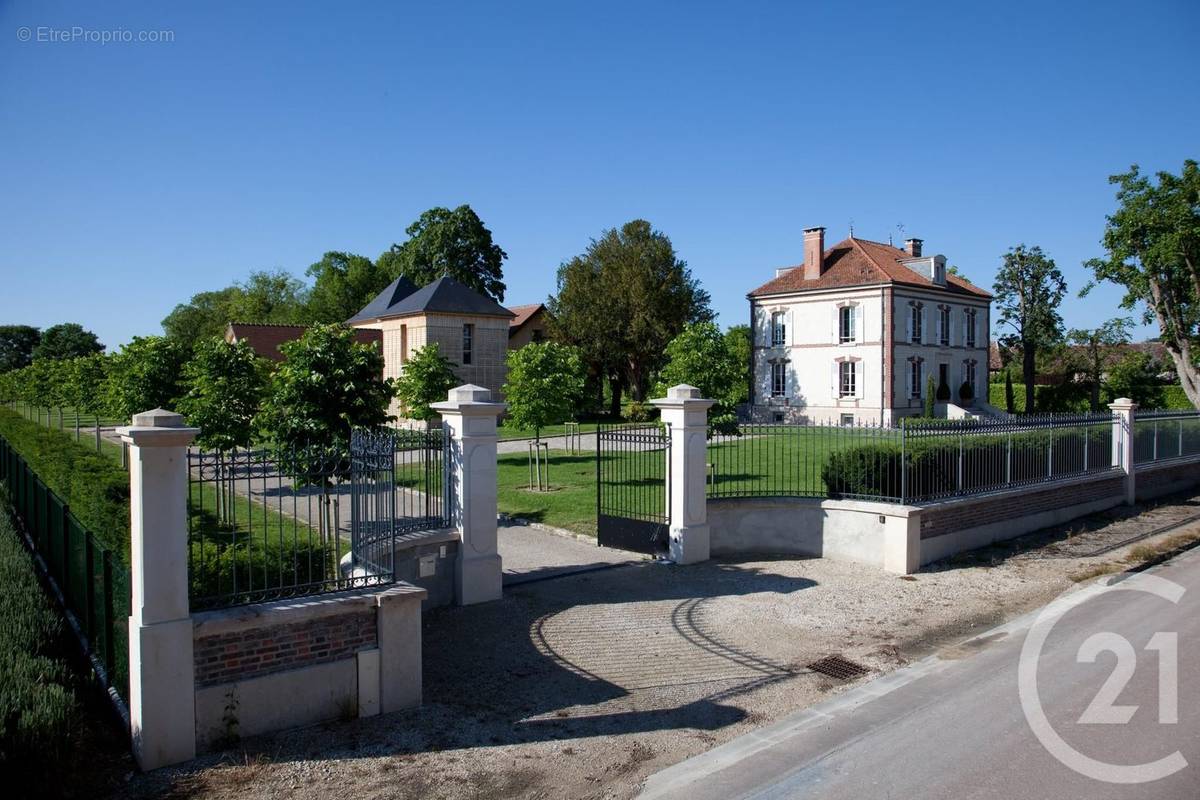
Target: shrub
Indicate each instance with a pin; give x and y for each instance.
(943, 393)
(638, 412)
(965, 392)
(96, 488)
(930, 392)
(39, 709)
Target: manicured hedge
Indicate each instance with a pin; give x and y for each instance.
(988, 460)
(95, 487)
(39, 707)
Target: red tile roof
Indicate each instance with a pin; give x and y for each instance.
(859, 262)
(523, 314)
(265, 338)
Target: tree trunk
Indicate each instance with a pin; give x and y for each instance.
(1189, 375)
(614, 401)
(1095, 396)
(1029, 374)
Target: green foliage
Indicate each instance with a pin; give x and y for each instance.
(1010, 404)
(326, 386)
(544, 386)
(1135, 376)
(84, 385)
(929, 396)
(1029, 289)
(95, 487)
(623, 301)
(638, 411)
(739, 340)
(17, 343)
(39, 710)
(701, 356)
(444, 242)
(68, 340)
(225, 389)
(427, 377)
(1152, 244)
(1094, 350)
(342, 284)
(965, 392)
(144, 375)
(274, 297)
(932, 463)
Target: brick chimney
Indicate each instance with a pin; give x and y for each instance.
(913, 247)
(814, 253)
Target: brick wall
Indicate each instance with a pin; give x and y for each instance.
(254, 651)
(1155, 479)
(959, 515)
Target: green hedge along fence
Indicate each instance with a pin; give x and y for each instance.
(38, 705)
(90, 578)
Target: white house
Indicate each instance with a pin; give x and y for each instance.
(852, 334)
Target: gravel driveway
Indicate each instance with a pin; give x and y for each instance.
(583, 685)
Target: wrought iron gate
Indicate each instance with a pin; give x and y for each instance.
(633, 486)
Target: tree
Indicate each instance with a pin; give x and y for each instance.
(1135, 376)
(700, 356)
(1009, 400)
(85, 380)
(444, 242)
(1152, 244)
(270, 297)
(427, 377)
(1094, 349)
(225, 384)
(544, 386)
(68, 340)
(739, 341)
(1029, 289)
(144, 375)
(326, 386)
(342, 284)
(623, 301)
(16, 346)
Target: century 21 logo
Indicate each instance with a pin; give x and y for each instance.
(1104, 709)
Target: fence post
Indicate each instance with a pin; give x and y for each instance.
(162, 692)
(470, 417)
(685, 414)
(1124, 413)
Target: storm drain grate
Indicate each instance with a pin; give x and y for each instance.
(838, 668)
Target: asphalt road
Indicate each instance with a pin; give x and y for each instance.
(953, 725)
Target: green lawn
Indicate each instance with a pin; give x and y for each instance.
(509, 432)
(787, 461)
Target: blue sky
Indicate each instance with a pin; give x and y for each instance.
(264, 134)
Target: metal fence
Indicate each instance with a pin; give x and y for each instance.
(912, 463)
(1165, 436)
(271, 523)
(89, 580)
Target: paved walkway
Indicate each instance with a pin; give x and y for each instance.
(532, 554)
(586, 442)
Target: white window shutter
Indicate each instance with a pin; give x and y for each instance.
(860, 332)
(908, 326)
(924, 324)
(835, 326)
(833, 381)
(908, 380)
(790, 321)
(859, 374)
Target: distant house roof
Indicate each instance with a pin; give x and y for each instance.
(521, 315)
(396, 291)
(445, 296)
(859, 262)
(265, 338)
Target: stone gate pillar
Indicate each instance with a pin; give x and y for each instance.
(685, 413)
(162, 691)
(470, 418)
(1124, 412)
